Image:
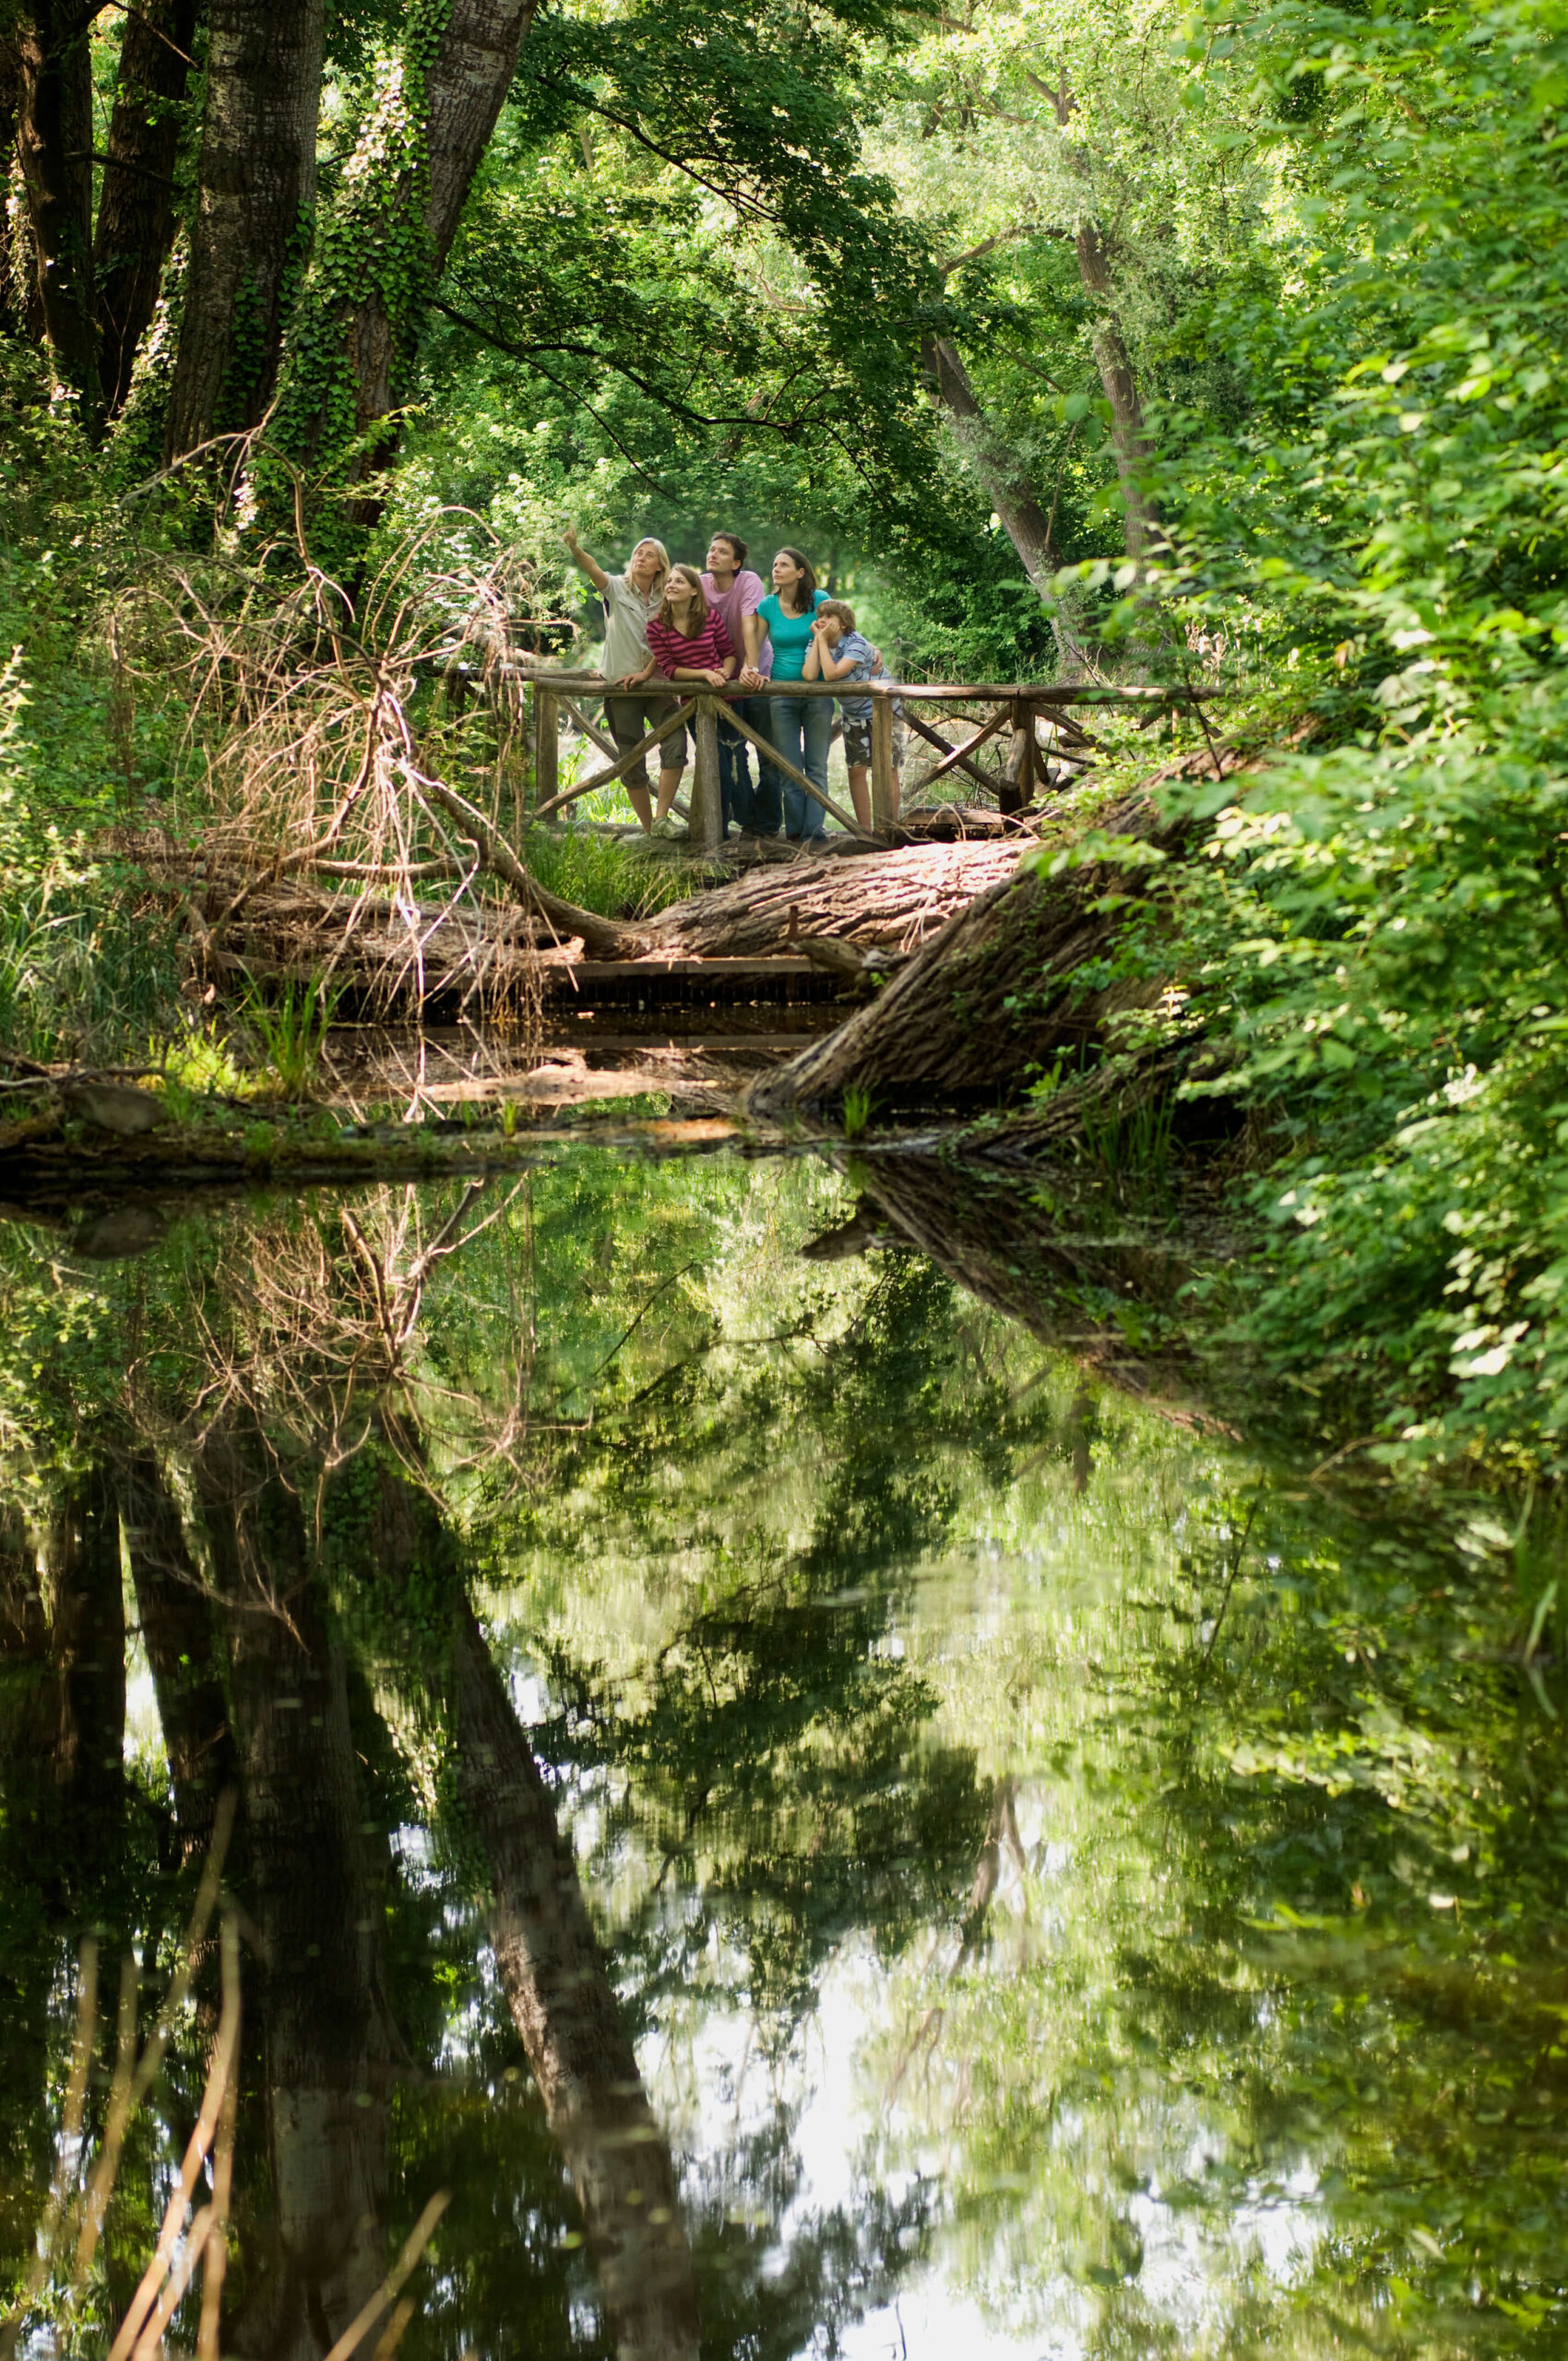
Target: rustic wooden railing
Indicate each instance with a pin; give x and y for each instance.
(1018, 704)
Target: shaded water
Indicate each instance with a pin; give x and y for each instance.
(821, 1828)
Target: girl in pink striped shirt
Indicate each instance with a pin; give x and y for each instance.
(688, 643)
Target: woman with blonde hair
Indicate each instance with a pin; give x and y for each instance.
(689, 644)
(631, 598)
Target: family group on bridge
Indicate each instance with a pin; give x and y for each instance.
(669, 625)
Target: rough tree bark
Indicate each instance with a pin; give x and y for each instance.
(1000, 470)
(136, 204)
(54, 145)
(254, 205)
(1128, 439)
(988, 1001)
(897, 899)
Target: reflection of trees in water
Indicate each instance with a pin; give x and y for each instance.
(269, 1428)
(273, 1451)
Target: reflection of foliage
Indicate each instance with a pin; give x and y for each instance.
(1291, 2062)
(773, 1748)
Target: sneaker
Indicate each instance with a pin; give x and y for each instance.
(667, 830)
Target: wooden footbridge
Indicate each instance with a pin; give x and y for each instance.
(1014, 711)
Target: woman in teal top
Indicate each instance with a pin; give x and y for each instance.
(802, 727)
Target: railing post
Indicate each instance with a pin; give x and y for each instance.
(705, 831)
(883, 819)
(1017, 784)
(546, 745)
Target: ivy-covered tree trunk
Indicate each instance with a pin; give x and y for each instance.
(136, 205)
(54, 145)
(404, 195)
(254, 216)
(15, 310)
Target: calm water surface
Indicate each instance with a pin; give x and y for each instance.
(818, 1828)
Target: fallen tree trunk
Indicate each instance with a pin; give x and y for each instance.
(896, 899)
(389, 949)
(994, 997)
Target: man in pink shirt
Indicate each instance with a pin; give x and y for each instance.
(736, 593)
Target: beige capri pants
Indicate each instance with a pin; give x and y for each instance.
(631, 719)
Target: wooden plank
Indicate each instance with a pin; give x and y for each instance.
(617, 769)
(961, 754)
(845, 819)
(925, 731)
(591, 971)
(881, 816)
(546, 749)
(706, 832)
(602, 738)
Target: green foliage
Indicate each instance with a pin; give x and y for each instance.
(610, 875)
(84, 965)
(856, 1112)
(291, 1030)
(1379, 933)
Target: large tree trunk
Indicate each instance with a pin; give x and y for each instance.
(1112, 359)
(324, 2046)
(250, 234)
(998, 467)
(135, 206)
(553, 1975)
(55, 143)
(894, 900)
(15, 310)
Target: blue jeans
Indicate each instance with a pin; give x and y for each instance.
(802, 728)
(760, 807)
(738, 799)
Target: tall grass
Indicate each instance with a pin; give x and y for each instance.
(617, 876)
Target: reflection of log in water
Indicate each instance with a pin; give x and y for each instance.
(989, 1231)
(559, 1996)
(1062, 1276)
(325, 2035)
